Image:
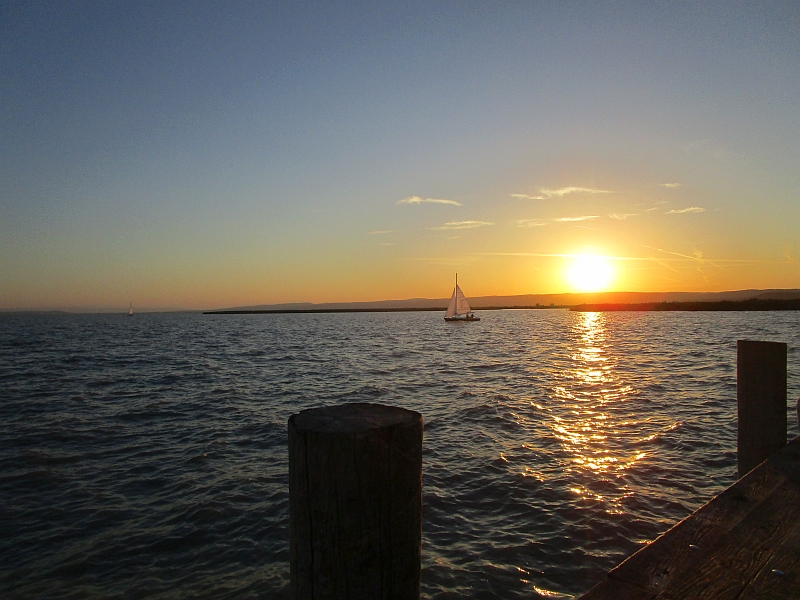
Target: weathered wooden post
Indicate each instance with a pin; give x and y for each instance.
(797, 408)
(761, 400)
(355, 502)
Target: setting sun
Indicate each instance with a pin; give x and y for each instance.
(588, 273)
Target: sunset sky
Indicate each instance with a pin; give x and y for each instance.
(216, 154)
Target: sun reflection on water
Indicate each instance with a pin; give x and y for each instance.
(592, 367)
(593, 430)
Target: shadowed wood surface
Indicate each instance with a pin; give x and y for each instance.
(355, 502)
(761, 401)
(744, 544)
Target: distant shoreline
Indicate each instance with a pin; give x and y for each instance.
(293, 311)
(754, 304)
(611, 301)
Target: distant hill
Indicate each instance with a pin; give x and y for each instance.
(533, 300)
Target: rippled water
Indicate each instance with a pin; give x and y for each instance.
(146, 456)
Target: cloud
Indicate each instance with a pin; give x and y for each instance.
(573, 219)
(560, 192)
(380, 231)
(418, 200)
(691, 209)
(531, 223)
(527, 197)
(694, 260)
(543, 222)
(621, 216)
(462, 225)
(547, 194)
(446, 260)
(670, 185)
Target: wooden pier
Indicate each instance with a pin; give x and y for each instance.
(745, 543)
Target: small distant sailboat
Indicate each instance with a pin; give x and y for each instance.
(130, 309)
(458, 311)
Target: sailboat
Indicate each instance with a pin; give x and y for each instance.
(130, 310)
(458, 310)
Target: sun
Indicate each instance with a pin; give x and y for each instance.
(589, 273)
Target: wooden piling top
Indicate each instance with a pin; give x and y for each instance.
(744, 544)
(355, 417)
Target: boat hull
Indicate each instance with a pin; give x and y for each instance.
(461, 319)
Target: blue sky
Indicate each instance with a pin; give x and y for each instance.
(213, 154)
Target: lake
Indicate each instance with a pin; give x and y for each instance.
(146, 456)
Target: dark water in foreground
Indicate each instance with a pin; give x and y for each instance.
(146, 456)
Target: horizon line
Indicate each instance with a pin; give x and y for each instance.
(265, 306)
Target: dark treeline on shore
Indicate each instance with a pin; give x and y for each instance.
(751, 304)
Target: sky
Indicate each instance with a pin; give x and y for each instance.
(194, 155)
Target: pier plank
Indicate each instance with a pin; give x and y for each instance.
(740, 554)
(727, 548)
(686, 545)
(779, 579)
(612, 588)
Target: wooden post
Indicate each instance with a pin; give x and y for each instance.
(761, 400)
(355, 502)
(797, 408)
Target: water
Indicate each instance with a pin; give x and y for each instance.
(146, 456)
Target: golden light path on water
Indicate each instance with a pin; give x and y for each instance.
(593, 388)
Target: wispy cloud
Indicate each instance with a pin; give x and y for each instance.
(546, 194)
(418, 200)
(683, 211)
(560, 192)
(531, 223)
(528, 197)
(696, 259)
(563, 255)
(670, 185)
(543, 222)
(696, 256)
(446, 260)
(380, 231)
(621, 216)
(462, 225)
(574, 219)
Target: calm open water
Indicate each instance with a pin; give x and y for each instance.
(146, 456)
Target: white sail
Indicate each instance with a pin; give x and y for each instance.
(462, 307)
(458, 304)
(451, 308)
